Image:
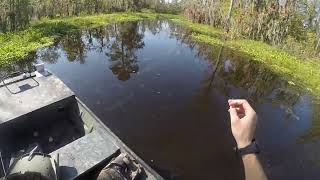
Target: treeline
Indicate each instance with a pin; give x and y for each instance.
(277, 22)
(16, 14)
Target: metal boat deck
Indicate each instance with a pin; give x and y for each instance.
(22, 97)
(45, 111)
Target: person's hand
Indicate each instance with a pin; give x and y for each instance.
(243, 121)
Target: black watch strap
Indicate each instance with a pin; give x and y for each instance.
(250, 149)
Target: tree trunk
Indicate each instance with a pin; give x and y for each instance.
(227, 25)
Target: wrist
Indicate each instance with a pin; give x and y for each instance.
(252, 148)
(243, 144)
(249, 156)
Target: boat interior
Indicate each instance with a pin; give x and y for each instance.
(39, 110)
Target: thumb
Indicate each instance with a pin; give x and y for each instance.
(233, 115)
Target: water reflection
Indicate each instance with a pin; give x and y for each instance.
(119, 42)
(313, 133)
(230, 68)
(74, 47)
(179, 97)
(122, 49)
(50, 55)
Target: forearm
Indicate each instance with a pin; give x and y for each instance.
(253, 168)
(243, 125)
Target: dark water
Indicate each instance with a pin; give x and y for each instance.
(166, 97)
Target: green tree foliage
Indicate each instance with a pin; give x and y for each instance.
(14, 14)
(296, 27)
(271, 21)
(162, 6)
(17, 14)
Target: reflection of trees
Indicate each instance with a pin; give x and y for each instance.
(208, 82)
(314, 131)
(119, 42)
(122, 49)
(183, 35)
(153, 26)
(260, 85)
(217, 63)
(74, 47)
(231, 69)
(49, 55)
(96, 38)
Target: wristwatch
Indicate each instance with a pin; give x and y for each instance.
(250, 149)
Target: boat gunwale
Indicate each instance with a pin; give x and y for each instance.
(119, 143)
